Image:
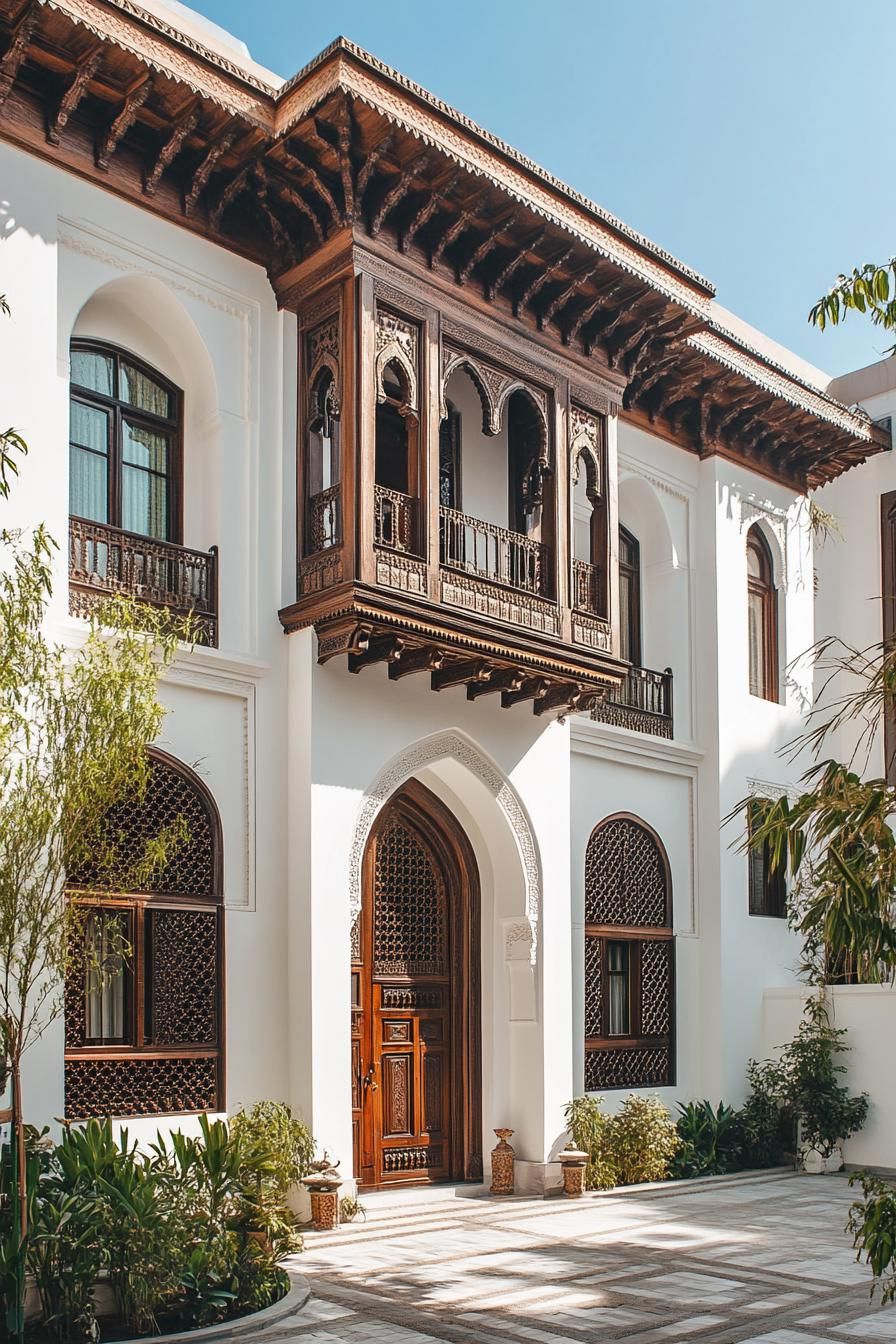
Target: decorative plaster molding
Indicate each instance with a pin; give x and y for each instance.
(453, 745)
(764, 788)
(753, 509)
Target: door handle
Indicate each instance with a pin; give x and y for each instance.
(370, 1080)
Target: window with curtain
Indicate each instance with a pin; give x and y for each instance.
(629, 958)
(124, 439)
(144, 1009)
(762, 617)
(629, 597)
(323, 468)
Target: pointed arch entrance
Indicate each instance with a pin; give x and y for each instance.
(416, 1057)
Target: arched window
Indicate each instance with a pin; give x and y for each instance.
(762, 617)
(449, 459)
(125, 440)
(396, 469)
(323, 524)
(629, 959)
(144, 1010)
(629, 597)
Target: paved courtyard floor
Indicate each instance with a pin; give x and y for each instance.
(763, 1261)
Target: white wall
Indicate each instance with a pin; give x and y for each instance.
(484, 468)
(868, 1014)
(76, 259)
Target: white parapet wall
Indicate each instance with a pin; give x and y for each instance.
(868, 1012)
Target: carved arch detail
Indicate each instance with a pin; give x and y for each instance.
(322, 346)
(585, 443)
(456, 746)
(495, 389)
(396, 343)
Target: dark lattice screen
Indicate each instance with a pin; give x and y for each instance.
(170, 796)
(139, 1086)
(625, 876)
(627, 887)
(183, 985)
(409, 912)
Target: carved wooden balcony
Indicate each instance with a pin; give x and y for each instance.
(494, 553)
(324, 519)
(642, 703)
(587, 588)
(395, 520)
(106, 560)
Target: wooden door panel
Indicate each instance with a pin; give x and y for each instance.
(397, 1091)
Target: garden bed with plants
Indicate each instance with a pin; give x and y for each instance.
(798, 1111)
(122, 1243)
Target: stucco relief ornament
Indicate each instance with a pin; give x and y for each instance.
(755, 510)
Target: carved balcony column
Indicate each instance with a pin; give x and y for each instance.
(431, 417)
(366, 435)
(351, 380)
(612, 487)
(562, 511)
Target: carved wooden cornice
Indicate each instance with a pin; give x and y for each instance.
(278, 172)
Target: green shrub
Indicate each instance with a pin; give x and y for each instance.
(765, 1121)
(632, 1146)
(710, 1140)
(643, 1140)
(590, 1130)
(872, 1222)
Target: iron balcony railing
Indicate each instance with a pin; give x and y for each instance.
(643, 702)
(394, 519)
(493, 552)
(103, 561)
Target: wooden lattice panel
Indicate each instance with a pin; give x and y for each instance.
(184, 982)
(170, 798)
(625, 876)
(622, 1067)
(139, 1086)
(593, 986)
(409, 925)
(656, 988)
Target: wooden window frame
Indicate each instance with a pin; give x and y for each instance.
(324, 382)
(637, 937)
(764, 588)
(143, 904)
(118, 411)
(771, 884)
(633, 613)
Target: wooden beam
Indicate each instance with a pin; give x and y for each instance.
(534, 688)
(397, 193)
(297, 163)
(370, 162)
(542, 278)
(133, 102)
(601, 301)
(501, 679)
(488, 244)
(84, 73)
(235, 187)
(457, 674)
(18, 49)
(453, 231)
(375, 649)
(569, 292)
(206, 167)
(282, 240)
(425, 659)
(293, 198)
(426, 211)
(565, 697)
(170, 150)
(343, 137)
(497, 283)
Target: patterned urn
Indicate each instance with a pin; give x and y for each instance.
(322, 1183)
(502, 1164)
(573, 1161)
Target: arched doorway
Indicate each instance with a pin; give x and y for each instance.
(416, 1081)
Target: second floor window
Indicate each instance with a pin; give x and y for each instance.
(629, 597)
(767, 881)
(124, 443)
(762, 617)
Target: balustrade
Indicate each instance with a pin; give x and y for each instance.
(324, 520)
(106, 560)
(394, 519)
(643, 702)
(587, 594)
(494, 553)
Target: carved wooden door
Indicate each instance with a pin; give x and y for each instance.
(402, 1021)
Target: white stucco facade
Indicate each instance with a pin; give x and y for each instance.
(300, 758)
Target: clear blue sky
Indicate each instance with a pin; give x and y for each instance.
(753, 140)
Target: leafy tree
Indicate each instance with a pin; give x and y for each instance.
(869, 289)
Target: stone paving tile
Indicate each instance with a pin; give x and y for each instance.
(761, 1262)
